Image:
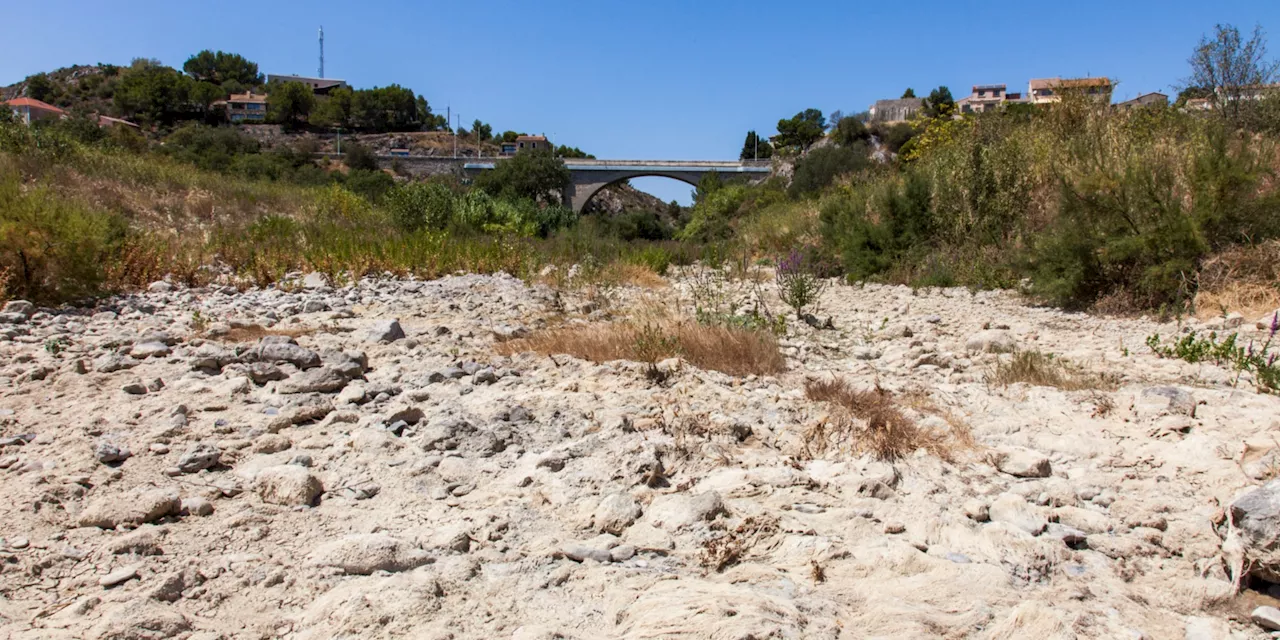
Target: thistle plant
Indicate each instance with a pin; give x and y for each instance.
(1258, 360)
(798, 285)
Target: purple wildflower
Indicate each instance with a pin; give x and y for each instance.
(1275, 323)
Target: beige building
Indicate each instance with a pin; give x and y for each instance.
(245, 108)
(898, 110)
(1049, 90)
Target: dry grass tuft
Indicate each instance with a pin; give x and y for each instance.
(254, 332)
(732, 546)
(1044, 370)
(737, 352)
(1244, 279)
(886, 433)
(637, 276)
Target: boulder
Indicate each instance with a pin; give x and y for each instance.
(363, 554)
(678, 510)
(108, 512)
(615, 513)
(199, 456)
(20, 307)
(385, 331)
(277, 349)
(1023, 463)
(991, 341)
(1255, 520)
(321, 380)
(1012, 510)
(289, 485)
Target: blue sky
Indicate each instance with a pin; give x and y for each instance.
(657, 79)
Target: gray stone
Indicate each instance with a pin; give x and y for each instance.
(118, 577)
(20, 307)
(1083, 519)
(363, 554)
(136, 508)
(289, 485)
(578, 552)
(1266, 617)
(385, 331)
(110, 363)
(134, 388)
(615, 513)
(272, 349)
(1012, 509)
(484, 376)
(1023, 463)
(145, 350)
(622, 553)
(992, 341)
(1256, 516)
(108, 452)
(160, 286)
(199, 456)
(321, 380)
(196, 506)
(678, 510)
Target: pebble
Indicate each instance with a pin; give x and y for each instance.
(118, 577)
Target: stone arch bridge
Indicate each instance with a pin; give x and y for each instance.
(588, 177)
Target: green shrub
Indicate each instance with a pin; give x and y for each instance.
(372, 185)
(53, 249)
(821, 166)
(420, 205)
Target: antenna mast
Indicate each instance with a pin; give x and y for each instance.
(321, 51)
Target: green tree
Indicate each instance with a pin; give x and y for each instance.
(204, 94)
(390, 108)
(1234, 68)
(40, 87)
(220, 67)
(152, 92)
(850, 130)
(755, 147)
(909, 93)
(290, 103)
(563, 151)
(532, 174)
(939, 103)
(334, 110)
(482, 131)
(802, 130)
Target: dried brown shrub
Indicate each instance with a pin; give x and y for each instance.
(737, 352)
(1244, 278)
(871, 421)
(731, 547)
(1045, 370)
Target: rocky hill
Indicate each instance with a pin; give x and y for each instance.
(203, 463)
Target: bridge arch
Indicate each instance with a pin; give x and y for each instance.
(583, 188)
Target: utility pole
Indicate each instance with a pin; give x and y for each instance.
(755, 152)
(448, 120)
(321, 51)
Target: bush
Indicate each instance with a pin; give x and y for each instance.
(639, 225)
(53, 249)
(421, 205)
(210, 148)
(821, 166)
(372, 185)
(359, 158)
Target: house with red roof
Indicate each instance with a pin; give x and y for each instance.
(30, 109)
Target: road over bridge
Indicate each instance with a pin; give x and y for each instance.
(588, 177)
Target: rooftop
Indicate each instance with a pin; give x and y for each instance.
(241, 98)
(32, 103)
